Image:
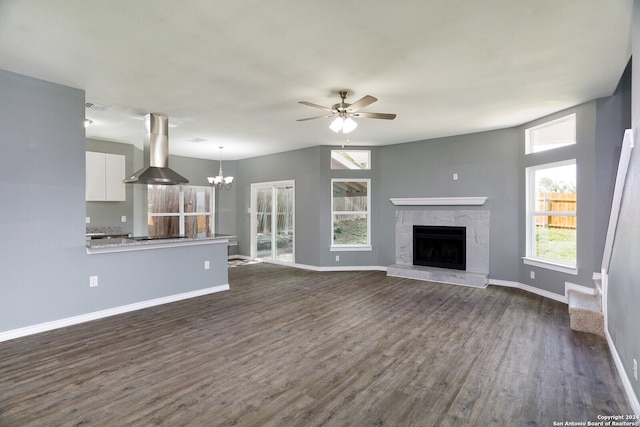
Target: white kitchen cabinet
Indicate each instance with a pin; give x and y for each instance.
(115, 189)
(104, 175)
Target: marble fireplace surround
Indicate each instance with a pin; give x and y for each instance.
(477, 224)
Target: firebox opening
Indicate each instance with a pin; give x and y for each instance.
(440, 246)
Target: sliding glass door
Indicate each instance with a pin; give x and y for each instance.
(272, 225)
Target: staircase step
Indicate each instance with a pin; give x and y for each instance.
(585, 313)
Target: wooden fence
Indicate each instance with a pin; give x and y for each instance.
(556, 202)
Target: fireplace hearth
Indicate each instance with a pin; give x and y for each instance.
(440, 246)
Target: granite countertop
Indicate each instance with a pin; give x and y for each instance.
(124, 243)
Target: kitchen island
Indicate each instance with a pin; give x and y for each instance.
(122, 274)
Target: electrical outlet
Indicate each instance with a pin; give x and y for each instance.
(93, 281)
(635, 369)
(87, 220)
(532, 274)
(337, 257)
(123, 218)
(455, 176)
(206, 265)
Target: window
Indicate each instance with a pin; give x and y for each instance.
(350, 159)
(350, 219)
(184, 210)
(551, 215)
(550, 135)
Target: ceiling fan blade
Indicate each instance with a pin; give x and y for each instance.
(361, 103)
(385, 116)
(312, 118)
(310, 104)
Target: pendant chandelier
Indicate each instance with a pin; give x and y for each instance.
(220, 181)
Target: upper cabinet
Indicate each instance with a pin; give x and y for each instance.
(104, 176)
(115, 189)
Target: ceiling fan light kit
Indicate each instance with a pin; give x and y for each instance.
(345, 125)
(344, 112)
(336, 125)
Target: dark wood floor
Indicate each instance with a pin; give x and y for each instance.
(301, 348)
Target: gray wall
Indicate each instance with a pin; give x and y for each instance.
(614, 117)
(42, 193)
(600, 129)
(624, 271)
(44, 268)
(303, 166)
(490, 164)
(486, 164)
(583, 151)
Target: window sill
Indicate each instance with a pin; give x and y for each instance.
(550, 265)
(346, 248)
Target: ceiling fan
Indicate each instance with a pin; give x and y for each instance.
(343, 112)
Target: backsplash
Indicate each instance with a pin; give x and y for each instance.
(107, 230)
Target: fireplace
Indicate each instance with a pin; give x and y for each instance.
(440, 246)
(476, 225)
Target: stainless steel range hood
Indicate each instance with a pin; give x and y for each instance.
(156, 150)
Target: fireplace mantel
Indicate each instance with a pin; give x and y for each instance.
(438, 201)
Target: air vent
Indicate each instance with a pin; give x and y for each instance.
(97, 107)
(196, 140)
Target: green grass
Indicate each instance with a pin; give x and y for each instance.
(556, 244)
(350, 231)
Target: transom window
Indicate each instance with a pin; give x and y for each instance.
(550, 135)
(350, 159)
(350, 214)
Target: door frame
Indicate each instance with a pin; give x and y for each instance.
(253, 217)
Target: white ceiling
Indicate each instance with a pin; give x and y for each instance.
(232, 73)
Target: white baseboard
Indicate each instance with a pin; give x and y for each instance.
(325, 268)
(626, 383)
(552, 295)
(341, 267)
(506, 283)
(529, 288)
(61, 323)
(568, 286)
